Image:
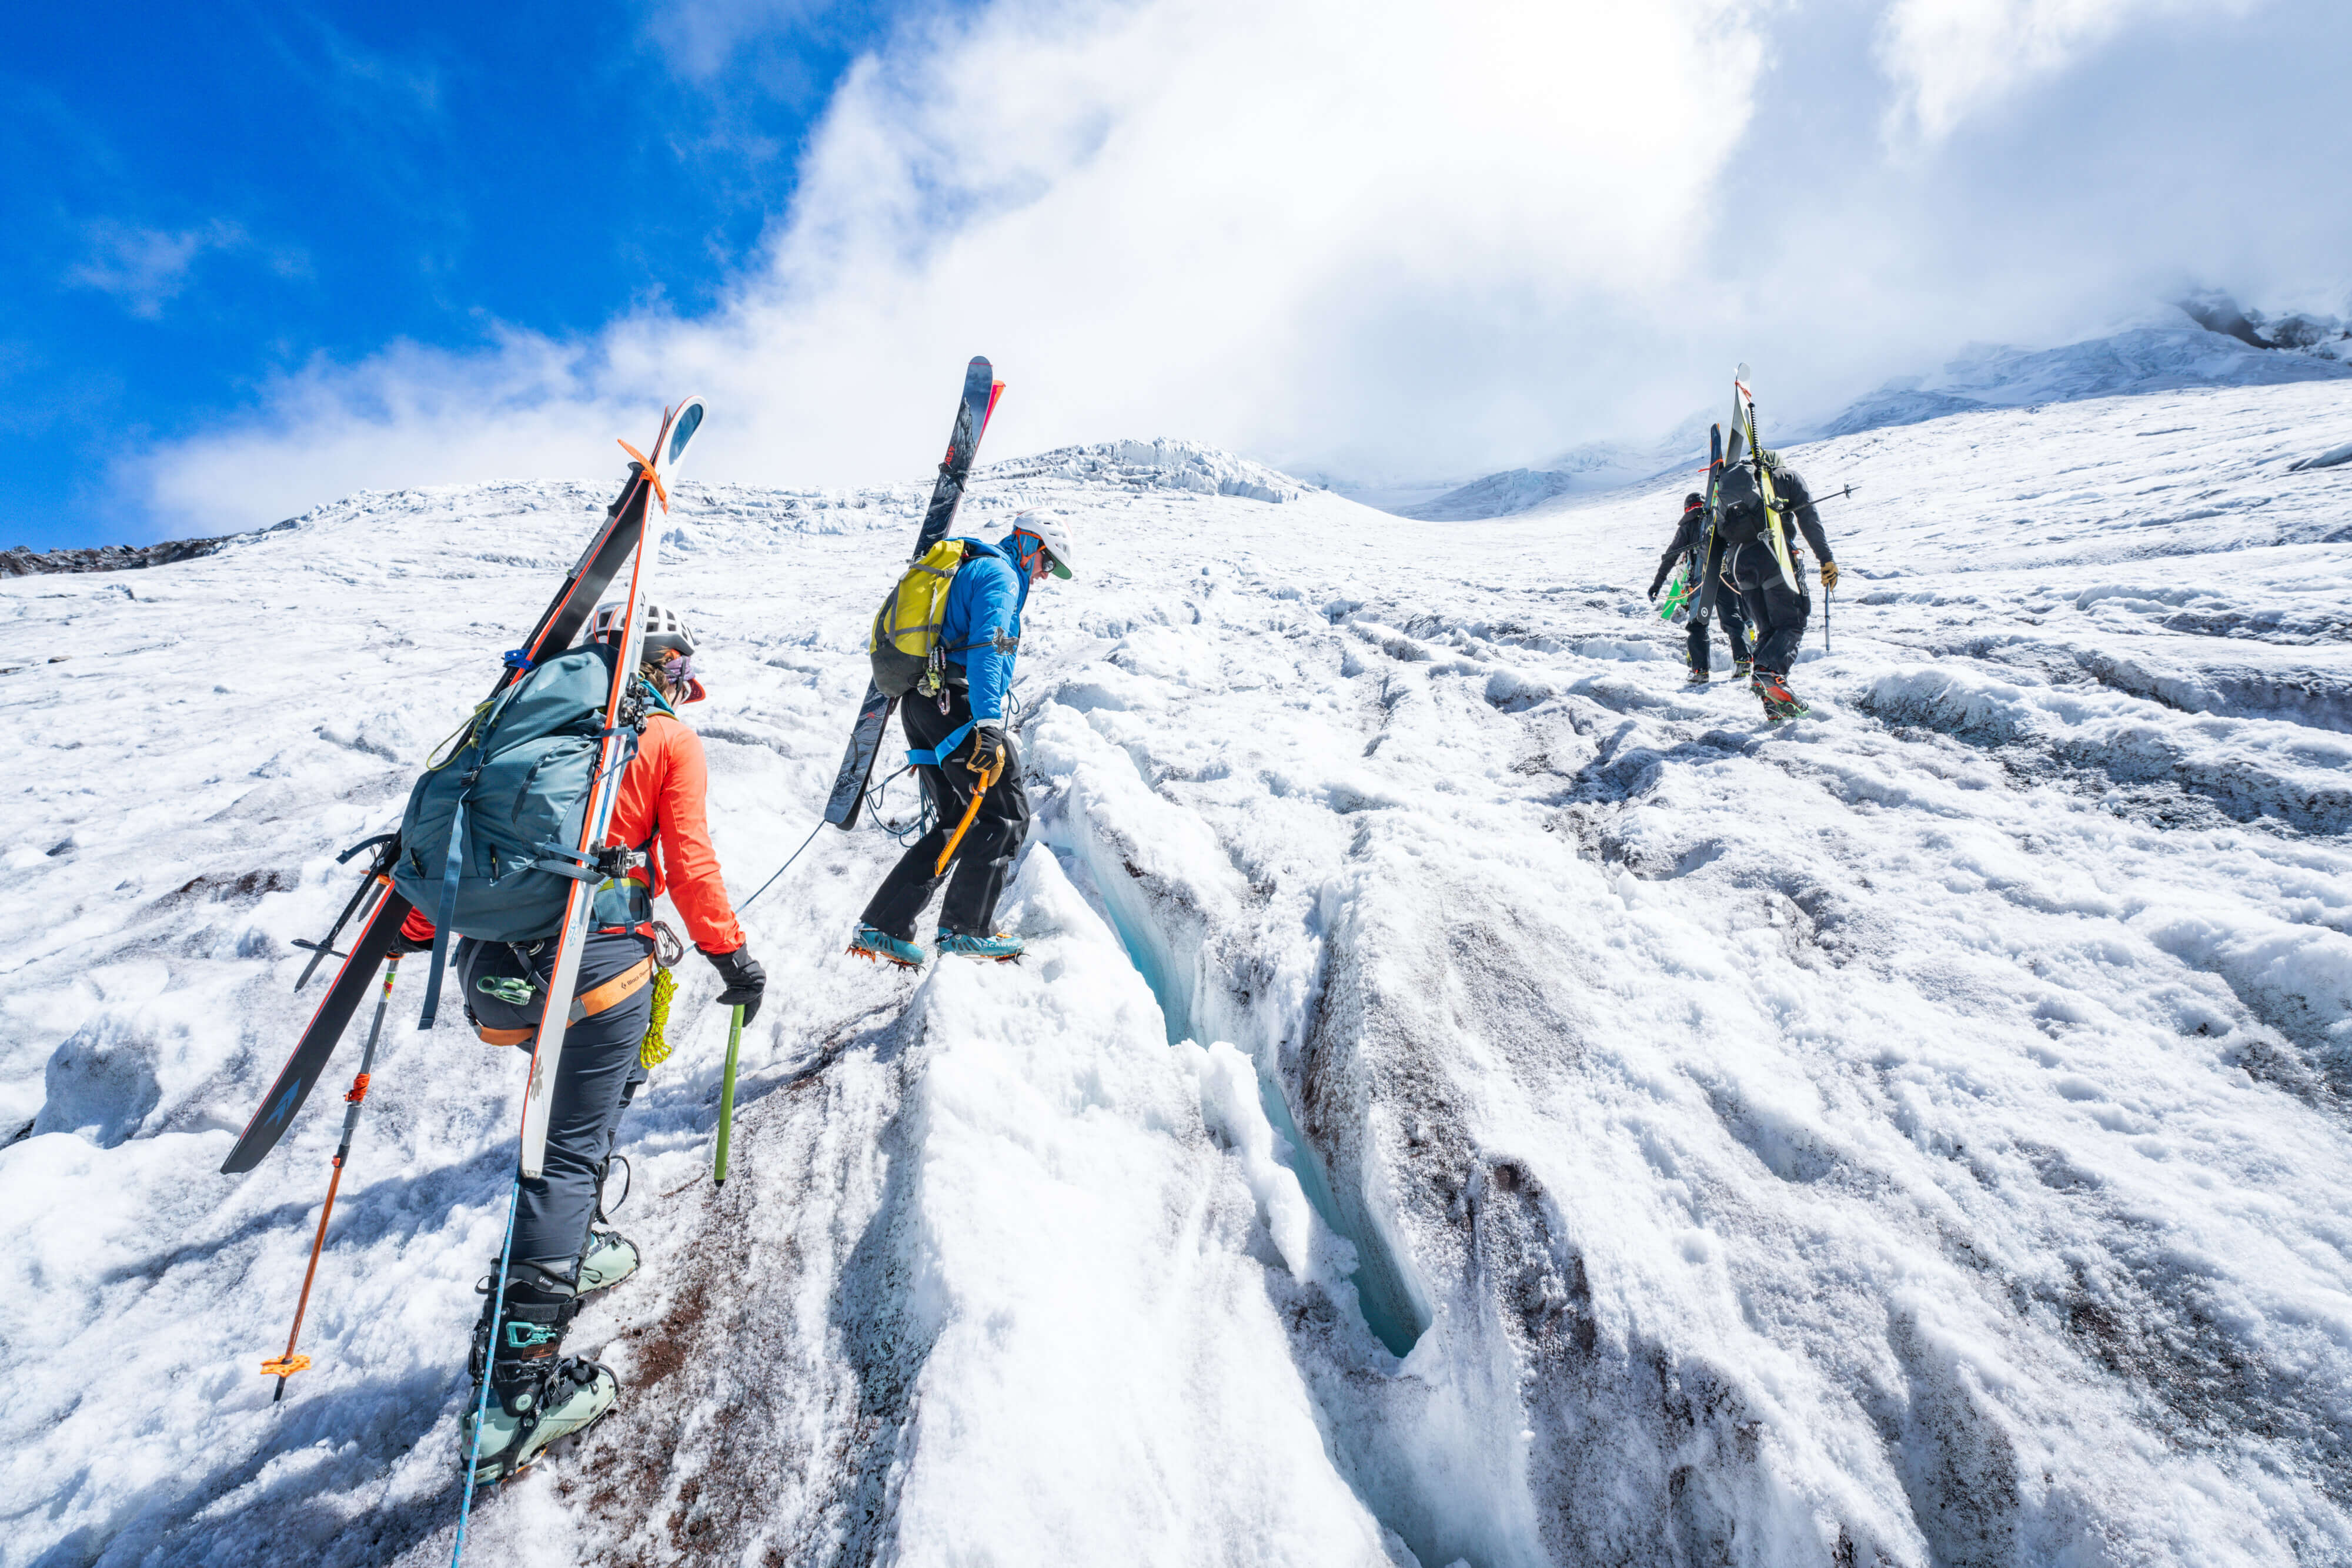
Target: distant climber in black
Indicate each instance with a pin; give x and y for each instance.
(1777, 613)
(1735, 620)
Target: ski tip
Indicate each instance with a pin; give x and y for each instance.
(1739, 372)
(681, 427)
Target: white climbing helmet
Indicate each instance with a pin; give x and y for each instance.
(1048, 531)
(664, 632)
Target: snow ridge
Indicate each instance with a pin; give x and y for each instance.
(1916, 1136)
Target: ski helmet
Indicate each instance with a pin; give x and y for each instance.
(664, 632)
(1048, 531)
(1693, 501)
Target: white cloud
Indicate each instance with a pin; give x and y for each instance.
(1951, 59)
(146, 268)
(1235, 219)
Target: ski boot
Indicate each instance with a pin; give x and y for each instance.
(538, 1396)
(869, 943)
(971, 945)
(1698, 677)
(1781, 704)
(611, 1258)
(1741, 669)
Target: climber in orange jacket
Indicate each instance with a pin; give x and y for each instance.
(562, 1252)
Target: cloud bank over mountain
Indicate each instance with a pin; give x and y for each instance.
(1388, 238)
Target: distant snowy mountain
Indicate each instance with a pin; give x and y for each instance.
(1472, 1099)
(2148, 358)
(2218, 345)
(1589, 469)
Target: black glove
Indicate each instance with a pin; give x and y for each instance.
(415, 936)
(744, 979)
(987, 747)
(1654, 589)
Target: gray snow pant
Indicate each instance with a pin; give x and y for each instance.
(595, 1078)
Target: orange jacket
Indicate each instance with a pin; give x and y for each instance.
(661, 798)
(664, 789)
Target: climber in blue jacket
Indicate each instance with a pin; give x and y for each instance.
(958, 738)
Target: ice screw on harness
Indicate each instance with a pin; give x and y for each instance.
(287, 1366)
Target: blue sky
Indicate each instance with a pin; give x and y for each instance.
(262, 255)
(202, 195)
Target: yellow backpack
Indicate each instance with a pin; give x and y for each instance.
(905, 648)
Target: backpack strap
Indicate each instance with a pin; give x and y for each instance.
(452, 867)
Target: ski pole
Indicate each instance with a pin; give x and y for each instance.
(376, 880)
(287, 1366)
(727, 1096)
(489, 1363)
(987, 781)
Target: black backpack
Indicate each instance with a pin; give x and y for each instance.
(1740, 519)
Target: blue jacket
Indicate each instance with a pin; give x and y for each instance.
(985, 598)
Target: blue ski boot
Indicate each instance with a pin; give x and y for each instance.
(868, 943)
(1002, 948)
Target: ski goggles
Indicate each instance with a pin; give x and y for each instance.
(678, 669)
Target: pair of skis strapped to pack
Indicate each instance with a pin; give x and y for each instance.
(621, 539)
(1775, 526)
(980, 391)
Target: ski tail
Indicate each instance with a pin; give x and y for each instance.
(308, 1063)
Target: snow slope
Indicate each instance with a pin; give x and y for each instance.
(1914, 1136)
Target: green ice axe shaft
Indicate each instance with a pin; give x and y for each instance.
(727, 1096)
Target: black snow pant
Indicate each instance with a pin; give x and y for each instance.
(1778, 613)
(1735, 619)
(983, 859)
(595, 1078)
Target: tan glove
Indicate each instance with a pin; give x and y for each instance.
(1829, 574)
(987, 759)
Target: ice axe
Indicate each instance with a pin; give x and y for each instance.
(987, 780)
(726, 1096)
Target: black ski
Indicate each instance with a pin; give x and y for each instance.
(1704, 604)
(559, 623)
(303, 1068)
(980, 394)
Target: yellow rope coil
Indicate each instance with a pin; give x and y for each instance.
(654, 1050)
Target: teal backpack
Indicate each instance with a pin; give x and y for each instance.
(487, 845)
